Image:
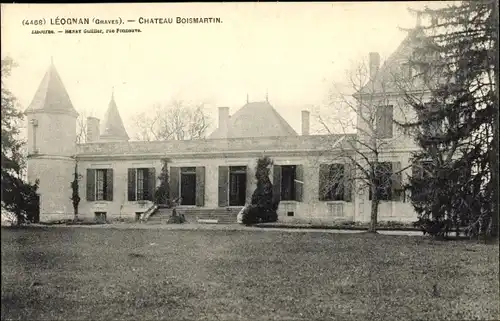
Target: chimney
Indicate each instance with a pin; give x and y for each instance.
(223, 120)
(374, 64)
(305, 123)
(93, 133)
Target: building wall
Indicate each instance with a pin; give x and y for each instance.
(310, 210)
(52, 162)
(54, 135)
(55, 174)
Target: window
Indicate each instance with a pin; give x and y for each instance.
(384, 122)
(141, 184)
(188, 186)
(388, 181)
(237, 185)
(334, 183)
(421, 171)
(336, 209)
(99, 184)
(432, 124)
(288, 183)
(383, 181)
(100, 217)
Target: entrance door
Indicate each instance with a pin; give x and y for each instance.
(188, 186)
(237, 185)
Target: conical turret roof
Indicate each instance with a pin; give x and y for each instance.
(51, 95)
(112, 127)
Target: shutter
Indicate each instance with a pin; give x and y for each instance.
(379, 125)
(200, 186)
(109, 184)
(397, 187)
(131, 184)
(223, 186)
(299, 186)
(324, 177)
(151, 183)
(90, 184)
(348, 182)
(388, 121)
(174, 182)
(276, 184)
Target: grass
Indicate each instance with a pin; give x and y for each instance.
(102, 274)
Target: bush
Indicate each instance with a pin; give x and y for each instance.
(262, 208)
(436, 228)
(255, 214)
(162, 192)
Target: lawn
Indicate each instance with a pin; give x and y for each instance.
(101, 274)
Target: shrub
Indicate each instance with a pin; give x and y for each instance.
(262, 208)
(162, 192)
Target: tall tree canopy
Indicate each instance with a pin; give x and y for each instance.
(18, 196)
(457, 128)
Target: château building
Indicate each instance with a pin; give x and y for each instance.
(118, 176)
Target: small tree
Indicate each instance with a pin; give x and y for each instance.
(75, 196)
(162, 193)
(262, 206)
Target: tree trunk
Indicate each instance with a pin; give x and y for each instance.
(494, 155)
(19, 218)
(374, 211)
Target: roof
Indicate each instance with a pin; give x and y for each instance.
(112, 127)
(256, 119)
(293, 145)
(391, 70)
(51, 95)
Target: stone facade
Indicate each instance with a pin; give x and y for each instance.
(118, 176)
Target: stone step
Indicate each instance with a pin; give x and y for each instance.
(193, 215)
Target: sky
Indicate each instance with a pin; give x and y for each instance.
(294, 52)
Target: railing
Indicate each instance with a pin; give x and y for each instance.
(145, 216)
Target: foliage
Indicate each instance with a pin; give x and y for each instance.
(18, 196)
(262, 207)
(456, 177)
(162, 192)
(176, 120)
(363, 112)
(75, 191)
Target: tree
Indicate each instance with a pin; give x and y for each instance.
(162, 193)
(177, 120)
(81, 128)
(363, 116)
(262, 206)
(457, 128)
(75, 191)
(18, 196)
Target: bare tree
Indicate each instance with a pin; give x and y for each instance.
(81, 128)
(362, 113)
(176, 120)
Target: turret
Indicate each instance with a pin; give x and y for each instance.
(51, 144)
(112, 128)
